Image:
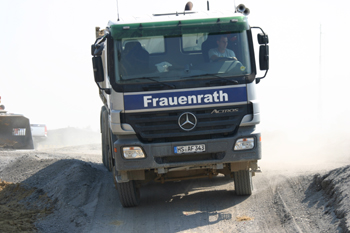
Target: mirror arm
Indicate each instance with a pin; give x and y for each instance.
(257, 80)
(107, 90)
(260, 30)
(101, 39)
(98, 46)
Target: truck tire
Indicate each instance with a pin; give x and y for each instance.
(129, 194)
(110, 151)
(103, 136)
(106, 149)
(243, 182)
(114, 179)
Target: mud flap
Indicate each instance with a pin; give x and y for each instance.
(15, 132)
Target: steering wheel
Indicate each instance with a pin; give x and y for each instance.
(225, 59)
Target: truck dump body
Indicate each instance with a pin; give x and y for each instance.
(15, 132)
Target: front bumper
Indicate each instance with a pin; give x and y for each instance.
(162, 155)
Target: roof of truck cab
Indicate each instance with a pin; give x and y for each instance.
(173, 25)
(171, 16)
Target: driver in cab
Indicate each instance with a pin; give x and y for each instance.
(221, 53)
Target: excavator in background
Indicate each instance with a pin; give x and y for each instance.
(15, 131)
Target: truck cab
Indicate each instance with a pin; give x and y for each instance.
(170, 111)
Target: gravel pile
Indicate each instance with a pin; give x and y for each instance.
(336, 186)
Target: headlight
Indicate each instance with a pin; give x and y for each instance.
(133, 153)
(244, 144)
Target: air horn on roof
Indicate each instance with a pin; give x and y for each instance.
(242, 9)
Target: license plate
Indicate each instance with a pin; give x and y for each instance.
(189, 149)
(19, 131)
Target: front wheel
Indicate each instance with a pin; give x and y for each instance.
(129, 194)
(104, 137)
(243, 182)
(106, 141)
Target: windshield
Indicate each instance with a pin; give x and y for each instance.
(181, 58)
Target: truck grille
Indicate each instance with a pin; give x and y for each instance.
(163, 126)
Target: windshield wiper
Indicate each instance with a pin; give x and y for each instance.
(214, 76)
(154, 80)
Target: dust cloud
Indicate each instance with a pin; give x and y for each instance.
(70, 136)
(308, 147)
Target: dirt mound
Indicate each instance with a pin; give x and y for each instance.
(65, 188)
(21, 207)
(74, 187)
(336, 186)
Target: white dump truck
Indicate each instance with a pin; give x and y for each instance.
(179, 98)
(39, 133)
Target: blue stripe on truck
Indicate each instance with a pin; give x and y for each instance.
(159, 100)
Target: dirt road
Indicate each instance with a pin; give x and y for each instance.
(71, 191)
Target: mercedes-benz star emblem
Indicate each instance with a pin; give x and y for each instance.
(187, 121)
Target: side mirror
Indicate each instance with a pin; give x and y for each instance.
(98, 69)
(93, 47)
(263, 38)
(96, 49)
(264, 57)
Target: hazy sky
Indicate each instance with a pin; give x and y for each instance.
(46, 73)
